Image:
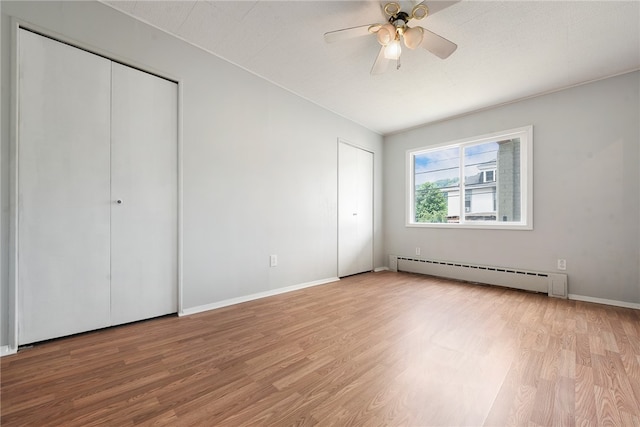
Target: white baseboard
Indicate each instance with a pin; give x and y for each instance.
(379, 269)
(605, 301)
(238, 300)
(5, 350)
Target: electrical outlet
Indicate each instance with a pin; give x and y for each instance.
(273, 260)
(562, 264)
(417, 251)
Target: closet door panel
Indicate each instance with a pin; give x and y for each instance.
(365, 210)
(144, 179)
(355, 210)
(63, 164)
(347, 210)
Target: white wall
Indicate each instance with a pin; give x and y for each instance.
(586, 189)
(259, 163)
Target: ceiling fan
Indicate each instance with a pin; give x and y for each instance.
(396, 28)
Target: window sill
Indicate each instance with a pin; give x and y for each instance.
(479, 226)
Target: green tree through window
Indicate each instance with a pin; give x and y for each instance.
(431, 205)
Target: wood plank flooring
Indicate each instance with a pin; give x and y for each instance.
(371, 350)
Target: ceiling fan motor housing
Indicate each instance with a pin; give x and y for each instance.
(400, 16)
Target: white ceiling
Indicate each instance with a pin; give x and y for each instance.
(507, 50)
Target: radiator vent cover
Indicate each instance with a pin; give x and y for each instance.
(553, 284)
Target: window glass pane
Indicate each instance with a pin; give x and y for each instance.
(437, 186)
(480, 162)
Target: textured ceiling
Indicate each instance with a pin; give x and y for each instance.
(507, 50)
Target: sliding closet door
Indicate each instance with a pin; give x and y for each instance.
(144, 203)
(63, 163)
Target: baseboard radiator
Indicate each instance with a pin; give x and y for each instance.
(553, 284)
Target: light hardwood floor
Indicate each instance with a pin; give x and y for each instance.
(374, 349)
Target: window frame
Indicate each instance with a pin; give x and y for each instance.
(525, 134)
(493, 176)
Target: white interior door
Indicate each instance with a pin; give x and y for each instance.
(355, 210)
(144, 179)
(63, 189)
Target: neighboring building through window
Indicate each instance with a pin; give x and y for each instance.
(492, 171)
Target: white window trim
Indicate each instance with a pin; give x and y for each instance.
(525, 134)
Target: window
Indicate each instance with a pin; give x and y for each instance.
(488, 176)
(492, 172)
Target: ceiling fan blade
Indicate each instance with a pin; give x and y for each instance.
(346, 33)
(436, 6)
(437, 45)
(380, 66)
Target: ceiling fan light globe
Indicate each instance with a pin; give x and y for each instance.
(393, 50)
(413, 37)
(386, 34)
(383, 37)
